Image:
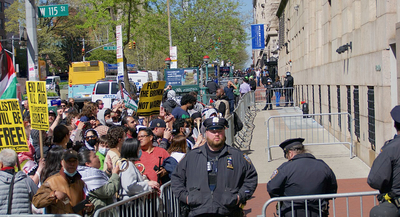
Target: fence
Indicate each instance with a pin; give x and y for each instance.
(317, 129)
(285, 95)
(246, 112)
(336, 202)
(144, 204)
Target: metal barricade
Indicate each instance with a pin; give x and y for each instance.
(317, 129)
(144, 204)
(246, 112)
(285, 96)
(337, 201)
(170, 203)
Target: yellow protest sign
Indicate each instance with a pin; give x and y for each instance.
(150, 98)
(12, 131)
(38, 108)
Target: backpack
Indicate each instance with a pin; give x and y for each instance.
(238, 125)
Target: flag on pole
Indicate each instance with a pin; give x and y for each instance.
(8, 77)
(129, 102)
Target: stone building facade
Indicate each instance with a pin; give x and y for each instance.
(265, 13)
(342, 54)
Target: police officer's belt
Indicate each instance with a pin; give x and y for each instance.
(389, 197)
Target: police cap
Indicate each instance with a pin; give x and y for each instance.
(215, 123)
(395, 113)
(384, 209)
(289, 143)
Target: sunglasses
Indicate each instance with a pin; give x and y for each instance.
(91, 137)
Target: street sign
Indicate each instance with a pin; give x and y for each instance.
(53, 11)
(110, 48)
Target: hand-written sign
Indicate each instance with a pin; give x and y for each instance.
(38, 108)
(12, 131)
(150, 98)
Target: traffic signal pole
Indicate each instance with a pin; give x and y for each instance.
(32, 45)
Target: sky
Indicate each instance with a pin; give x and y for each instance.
(247, 7)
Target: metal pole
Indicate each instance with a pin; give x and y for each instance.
(32, 47)
(169, 25)
(13, 51)
(83, 49)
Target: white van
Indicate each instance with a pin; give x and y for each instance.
(106, 91)
(51, 82)
(140, 78)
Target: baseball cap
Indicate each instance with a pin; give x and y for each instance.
(51, 112)
(68, 154)
(157, 123)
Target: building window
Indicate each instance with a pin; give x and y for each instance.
(329, 103)
(308, 97)
(356, 94)
(302, 92)
(1, 24)
(371, 117)
(6, 5)
(281, 30)
(320, 103)
(313, 100)
(348, 106)
(339, 107)
(1, 7)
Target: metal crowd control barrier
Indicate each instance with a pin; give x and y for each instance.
(144, 204)
(283, 93)
(42, 215)
(246, 112)
(317, 129)
(334, 203)
(171, 204)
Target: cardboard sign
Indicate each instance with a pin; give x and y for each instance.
(150, 98)
(38, 108)
(12, 131)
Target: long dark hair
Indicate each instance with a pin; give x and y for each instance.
(52, 163)
(84, 157)
(129, 149)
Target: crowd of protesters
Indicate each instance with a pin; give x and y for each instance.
(79, 171)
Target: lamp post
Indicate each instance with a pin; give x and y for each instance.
(168, 62)
(204, 88)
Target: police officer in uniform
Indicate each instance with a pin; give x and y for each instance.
(385, 173)
(268, 94)
(288, 84)
(214, 179)
(302, 174)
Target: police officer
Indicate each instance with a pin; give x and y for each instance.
(214, 179)
(385, 172)
(268, 94)
(302, 174)
(288, 84)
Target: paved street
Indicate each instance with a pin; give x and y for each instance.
(351, 173)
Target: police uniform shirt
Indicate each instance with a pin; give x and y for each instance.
(302, 175)
(385, 171)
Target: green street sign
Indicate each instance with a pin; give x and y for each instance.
(53, 11)
(110, 48)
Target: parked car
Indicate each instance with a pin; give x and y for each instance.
(51, 82)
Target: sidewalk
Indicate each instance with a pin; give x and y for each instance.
(351, 173)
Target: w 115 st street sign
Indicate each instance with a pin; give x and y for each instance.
(53, 11)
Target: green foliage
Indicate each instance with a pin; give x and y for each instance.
(51, 93)
(106, 56)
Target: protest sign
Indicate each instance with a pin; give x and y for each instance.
(12, 131)
(38, 108)
(150, 98)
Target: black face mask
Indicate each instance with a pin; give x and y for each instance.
(92, 142)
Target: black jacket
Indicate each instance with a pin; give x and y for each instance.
(289, 82)
(190, 181)
(385, 171)
(302, 175)
(253, 85)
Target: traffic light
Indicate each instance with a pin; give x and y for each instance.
(83, 51)
(130, 45)
(134, 44)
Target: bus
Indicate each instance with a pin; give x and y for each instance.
(82, 78)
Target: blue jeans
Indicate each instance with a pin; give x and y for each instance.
(278, 97)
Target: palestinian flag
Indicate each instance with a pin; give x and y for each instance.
(8, 77)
